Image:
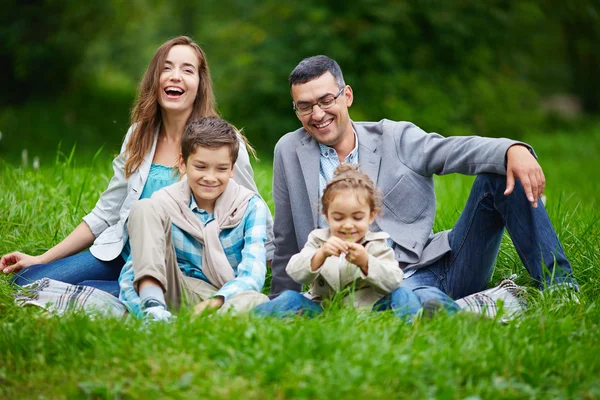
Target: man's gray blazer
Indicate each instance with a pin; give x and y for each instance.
(401, 159)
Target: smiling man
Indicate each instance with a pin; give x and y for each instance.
(402, 159)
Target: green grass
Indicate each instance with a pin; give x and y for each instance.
(550, 352)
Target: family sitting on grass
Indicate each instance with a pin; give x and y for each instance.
(161, 239)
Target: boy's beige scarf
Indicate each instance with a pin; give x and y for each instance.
(229, 211)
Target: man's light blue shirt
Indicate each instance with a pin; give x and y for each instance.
(329, 161)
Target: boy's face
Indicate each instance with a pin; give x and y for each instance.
(208, 172)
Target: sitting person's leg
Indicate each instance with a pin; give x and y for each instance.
(158, 279)
(73, 269)
(111, 287)
(289, 303)
(402, 301)
(476, 237)
(433, 299)
(406, 302)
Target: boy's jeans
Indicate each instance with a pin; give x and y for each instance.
(475, 242)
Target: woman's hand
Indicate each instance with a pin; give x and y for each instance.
(357, 255)
(16, 261)
(81, 238)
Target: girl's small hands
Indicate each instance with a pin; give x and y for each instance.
(334, 246)
(357, 255)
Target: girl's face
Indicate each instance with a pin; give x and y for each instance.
(179, 80)
(349, 215)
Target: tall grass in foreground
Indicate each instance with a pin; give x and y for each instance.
(550, 352)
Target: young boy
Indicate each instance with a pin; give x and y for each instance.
(200, 240)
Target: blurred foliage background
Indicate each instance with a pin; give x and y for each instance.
(497, 68)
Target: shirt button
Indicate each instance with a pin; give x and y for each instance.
(321, 282)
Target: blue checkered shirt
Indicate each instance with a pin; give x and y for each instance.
(244, 247)
(329, 161)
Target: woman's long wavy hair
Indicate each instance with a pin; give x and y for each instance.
(146, 116)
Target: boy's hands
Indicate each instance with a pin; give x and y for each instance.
(211, 304)
(357, 255)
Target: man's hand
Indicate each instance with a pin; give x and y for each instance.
(211, 304)
(522, 165)
(16, 261)
(357, 255)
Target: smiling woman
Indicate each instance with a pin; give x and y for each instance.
(176, 88)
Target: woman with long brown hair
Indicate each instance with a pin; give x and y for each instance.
(175, 89)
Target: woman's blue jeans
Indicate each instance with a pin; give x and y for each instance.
(476, 237)
(79, 269)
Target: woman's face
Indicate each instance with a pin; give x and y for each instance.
(179, 80)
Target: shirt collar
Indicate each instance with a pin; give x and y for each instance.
(194, 206)
(329, 152)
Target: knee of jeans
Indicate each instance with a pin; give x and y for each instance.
(429, 292)
(17, 280)
(490, 179)
(404, 296)
(288, 295)
(21, 278)
(402, 292)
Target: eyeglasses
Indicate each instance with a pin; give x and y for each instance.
(325, 103)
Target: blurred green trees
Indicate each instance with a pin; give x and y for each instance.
(456, 67)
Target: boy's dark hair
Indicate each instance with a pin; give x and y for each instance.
(212, 133)
(313, 67)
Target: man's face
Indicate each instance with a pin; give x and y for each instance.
(332, 125)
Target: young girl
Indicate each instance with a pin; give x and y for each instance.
(348, 258)
(176, 88)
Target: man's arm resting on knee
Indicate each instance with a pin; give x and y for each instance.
(522, 165)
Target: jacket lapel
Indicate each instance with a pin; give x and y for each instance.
(308, 155)
(368, 155)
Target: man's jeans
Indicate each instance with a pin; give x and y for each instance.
(78, 269)
(476, 237)
(402, 302)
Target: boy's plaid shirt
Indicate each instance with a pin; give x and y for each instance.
(244, 248)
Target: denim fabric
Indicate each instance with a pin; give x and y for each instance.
(287, 304)
(476, 237)
(402, 301)
(111, 287)
(405, 302)
(75, 270)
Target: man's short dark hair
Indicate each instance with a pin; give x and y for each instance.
(313, 67)
(211, 133)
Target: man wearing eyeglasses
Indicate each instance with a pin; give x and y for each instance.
(401, 159)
